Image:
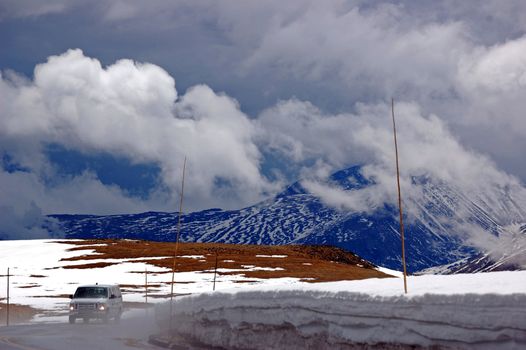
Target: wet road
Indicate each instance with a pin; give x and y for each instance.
(131, 333)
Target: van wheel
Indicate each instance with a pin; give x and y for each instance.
(118, 318)
(71, 319)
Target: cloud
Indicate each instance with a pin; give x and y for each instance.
(361, 201)
(132, 110)
(30, 8)
(28, 224)
(492, 78)
(302, 133)
(440, 55)
(80, 194)
(434, 164)
(380, 49)
(500, 69)
(334, 54)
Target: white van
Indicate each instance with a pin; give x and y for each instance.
(98, 301)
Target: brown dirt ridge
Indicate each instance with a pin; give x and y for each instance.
(308, 263)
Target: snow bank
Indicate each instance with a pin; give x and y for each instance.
(483, 311)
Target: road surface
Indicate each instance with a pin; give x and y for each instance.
(131, 333)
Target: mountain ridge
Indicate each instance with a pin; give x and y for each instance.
(434, 235)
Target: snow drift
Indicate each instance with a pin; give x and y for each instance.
(490, 313)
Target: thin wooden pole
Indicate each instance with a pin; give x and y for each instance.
(7, 306)
(177, 244)
(146, 285)
(399, 198)
(215, 274)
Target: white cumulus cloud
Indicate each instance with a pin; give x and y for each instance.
(132, 110)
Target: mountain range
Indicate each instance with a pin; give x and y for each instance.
(437, 231)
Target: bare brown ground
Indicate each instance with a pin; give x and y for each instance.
(137, 286)
(326, 263)
(89, 266)
(17, 313)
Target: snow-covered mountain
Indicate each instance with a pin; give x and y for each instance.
(445, 224)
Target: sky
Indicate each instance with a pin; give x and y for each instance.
(101, 101)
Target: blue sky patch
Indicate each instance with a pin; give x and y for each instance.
(137, 179)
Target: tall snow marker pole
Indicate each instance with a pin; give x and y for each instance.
(146, 286)
(177, 245)
(215, 274)
(399, 197)
(7, 305)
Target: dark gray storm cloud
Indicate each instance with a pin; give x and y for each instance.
(332, 54)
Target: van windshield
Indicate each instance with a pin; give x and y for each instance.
(91, 292)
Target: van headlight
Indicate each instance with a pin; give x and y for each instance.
(71, 307)
(102, 307)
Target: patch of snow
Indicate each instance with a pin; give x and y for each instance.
(97, 244)
(271, 256)
(390, 272)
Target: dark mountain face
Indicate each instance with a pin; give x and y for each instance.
(296, 216)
